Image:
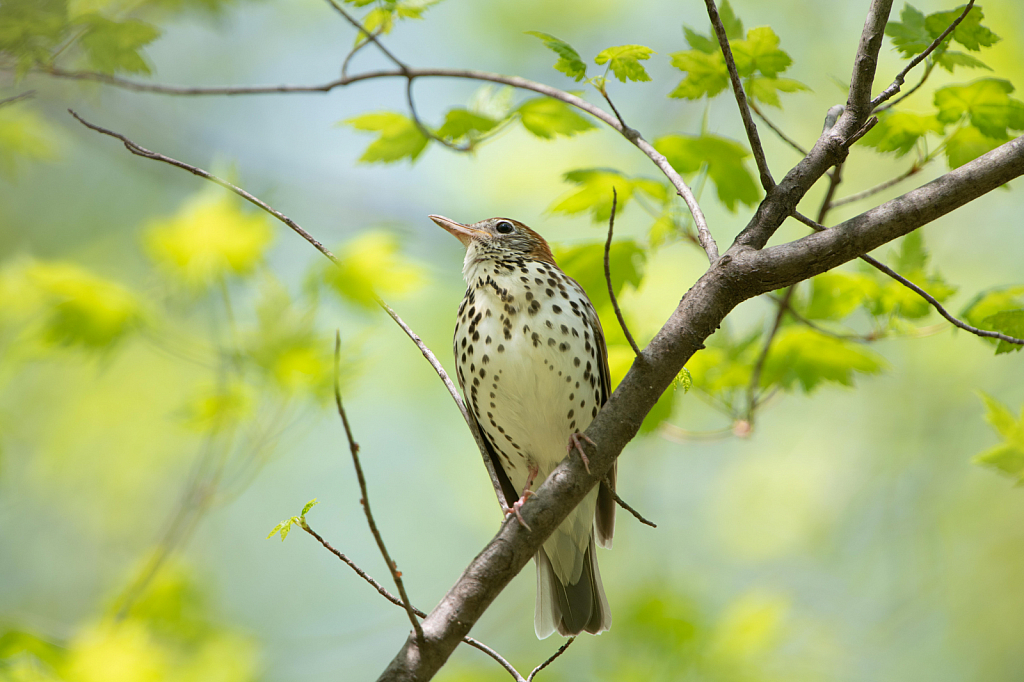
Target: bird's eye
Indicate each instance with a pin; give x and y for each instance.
(504, 227)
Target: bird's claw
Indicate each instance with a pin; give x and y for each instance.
(517, 505)
(574, 443)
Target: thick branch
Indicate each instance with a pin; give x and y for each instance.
(741, 273)
(767, 182)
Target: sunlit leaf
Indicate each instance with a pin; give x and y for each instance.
(595, 193)
(372, 265)
(127, 647)
(760, 53)
(730, 22)
(309, 505)
(1008, 456)
(547, 118)
(725, 164)
(986, 102)
(699, 41)
(969, 33)
(992, 301)
(706, 74)
(585, 264)
(459, 123)
(767, 90)
(398, 137)
(837, 293)
(208, 239)
(31, 29)
(949, 60)
(1009, 322)
(219, 406)
(909, 35)
(569, 61)
(282, 528)
(803, 357)
(967, 144)
(899, 131)
(624, 61)
(24, 136)
(112, 47)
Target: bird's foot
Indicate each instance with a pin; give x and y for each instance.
(575, 444)
(527, 494)
(517, 505)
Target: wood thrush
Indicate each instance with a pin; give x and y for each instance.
(533, 368)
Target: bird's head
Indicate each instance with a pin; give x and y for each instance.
(498, 239)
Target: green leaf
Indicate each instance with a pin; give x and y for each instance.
(760, 53)
(725, 163)
(949, 60)
(399, 137)
(585, 264)
(569, 61)
(31, 29)
(894, 298)
(113, 46)
(1009, 322)
(283, 528)
(699, 41)
(209, 239)
(546, 118)
(1008, 456)
(910, 36)
(372, 265)
(986, 102)
(836, 294)
(805, 357)
(624, 61)
(732, 24)
(706, 74)
(683, 380)
(912, 255)
(595, 193)
(459, 123)
(309, 505)
(992, 301)
(969, 33)
(767, 90)
(966, 145)
(899, 131)
(24, 135)
(379, 19)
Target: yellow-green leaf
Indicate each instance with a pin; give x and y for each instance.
(208, 239)
(398, 137)
(546, 118)
(624, 61)
(372, 265)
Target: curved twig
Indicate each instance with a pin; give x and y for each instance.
(897, 82)
(548, 662)
(398, 602)
(776, 129)
(682, 189)
(913, 170)
(353, 447)
(878, 265)
(608, 278)
(17, 98)
(767, 182)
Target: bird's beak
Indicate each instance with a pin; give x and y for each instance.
(464, 233)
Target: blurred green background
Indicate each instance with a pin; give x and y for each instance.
(165, 369)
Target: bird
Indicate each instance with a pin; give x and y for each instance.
(532, 363)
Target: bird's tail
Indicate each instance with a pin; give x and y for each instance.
(574, 607)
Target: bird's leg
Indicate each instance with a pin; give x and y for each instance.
(527, 493)
(574, 443)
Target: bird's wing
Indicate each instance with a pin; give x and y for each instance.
(506, 484)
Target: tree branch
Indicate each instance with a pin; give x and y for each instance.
(353, 447)
(878, 265)
(897, 83)
(767, 182)
(682, 189)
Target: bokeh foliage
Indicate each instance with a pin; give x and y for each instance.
(243, 353)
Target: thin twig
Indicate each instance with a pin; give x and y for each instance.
(146, 153)
(371, 37)
(862, 338)
(929, 67)
(608, 277)
(353, 447)
(548, 662)
(352, 53)
(894, 87)
(431, 358)
(17, 98)
(778, 131)
(878, 265)
(631, 134)
(913, 170)
(767, 182)
(619, 501)
(398, 602)
(753, 396)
